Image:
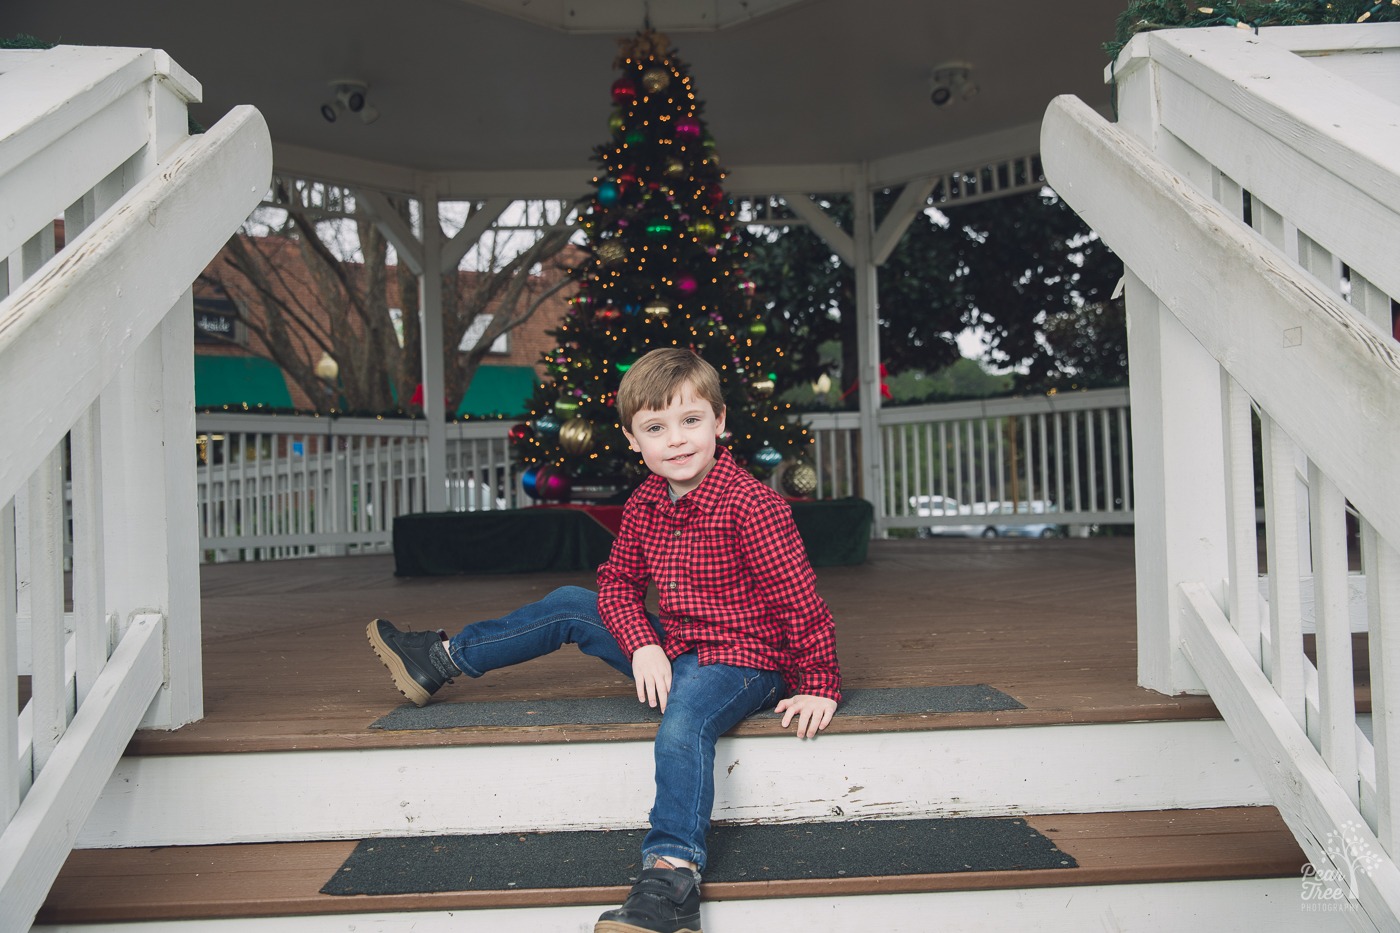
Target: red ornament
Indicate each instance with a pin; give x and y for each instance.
(624, 91)
(518, 432)
(687, 285)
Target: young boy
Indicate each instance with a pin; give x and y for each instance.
(741, 627)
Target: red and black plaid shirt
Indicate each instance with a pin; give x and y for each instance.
(733, 578)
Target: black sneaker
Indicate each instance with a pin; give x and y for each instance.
(416, 660)
(664, 900)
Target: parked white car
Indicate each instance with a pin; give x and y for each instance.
(944, 506)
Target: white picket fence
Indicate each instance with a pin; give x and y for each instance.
(1252, 188)
(97, 390)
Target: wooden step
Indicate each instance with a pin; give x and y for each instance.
(261, 880)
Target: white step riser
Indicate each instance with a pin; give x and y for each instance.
(1201, 907)
(292, 796)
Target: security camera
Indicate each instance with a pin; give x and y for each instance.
(950, 83)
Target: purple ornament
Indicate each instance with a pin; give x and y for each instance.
(687, 285)
(553, 484)
(687, 128)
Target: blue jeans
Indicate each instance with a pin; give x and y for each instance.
(705, 702)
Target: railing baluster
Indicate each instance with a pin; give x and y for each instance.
(89, 575)
(942, 458)
(1074, 460)
(1240, 522)
(1060, 461)
(1091, 444)
(1381, 564)
(9, 669)
(1125, 471)
(1285, 655)
(49, 683)
(1109, 496)
(1335, 731)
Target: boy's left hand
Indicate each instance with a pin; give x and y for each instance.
(813, 714)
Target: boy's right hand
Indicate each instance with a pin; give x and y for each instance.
(651, 669)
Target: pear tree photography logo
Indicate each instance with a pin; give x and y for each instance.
(1335, 887)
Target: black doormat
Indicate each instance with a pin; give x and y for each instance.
(962, 698)
(772, 852)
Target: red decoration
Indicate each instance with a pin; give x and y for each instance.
(624, 91)
(518, 432)
(686, 127)
(687, 285)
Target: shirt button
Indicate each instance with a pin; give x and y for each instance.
(677, 532)
(672, 585)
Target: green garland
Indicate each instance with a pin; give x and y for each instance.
(1147, 15)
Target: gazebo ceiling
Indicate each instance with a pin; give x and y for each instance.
(511, 96)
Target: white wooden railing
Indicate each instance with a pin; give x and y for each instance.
(97, 378)
(272, 487)
(275, 487)
(1252, 188)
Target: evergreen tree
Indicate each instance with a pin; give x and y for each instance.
(662, 268)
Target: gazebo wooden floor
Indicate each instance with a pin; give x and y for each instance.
(1049, 622)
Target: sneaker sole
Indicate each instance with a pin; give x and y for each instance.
(404, 681)
(612, 926)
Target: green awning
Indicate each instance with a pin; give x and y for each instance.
(239, 380)
(499, 390)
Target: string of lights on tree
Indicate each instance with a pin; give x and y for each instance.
(662, 268)
(1148, 15)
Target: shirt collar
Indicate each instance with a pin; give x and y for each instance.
(705, 496)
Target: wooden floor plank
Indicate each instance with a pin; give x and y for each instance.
(285, 879)
(1049, 622)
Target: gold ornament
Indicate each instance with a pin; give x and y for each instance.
(645, 44)
(658, 309)
(576, 436)
(611, 252)
(800, 480)
(675, 168)
(763, 387)
(655, 79)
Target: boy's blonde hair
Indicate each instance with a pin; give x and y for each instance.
(656, 379)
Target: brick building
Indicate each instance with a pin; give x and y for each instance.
(234, 368)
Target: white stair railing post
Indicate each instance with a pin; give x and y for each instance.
(1178, 440)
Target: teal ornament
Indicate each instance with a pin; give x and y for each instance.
(767, 457)
(546, 425)
(608, 193)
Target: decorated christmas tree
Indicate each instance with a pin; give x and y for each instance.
(663, 267)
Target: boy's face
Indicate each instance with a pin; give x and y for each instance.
(678, 442)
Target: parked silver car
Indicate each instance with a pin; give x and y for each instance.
(943, 506)
(1044, 529)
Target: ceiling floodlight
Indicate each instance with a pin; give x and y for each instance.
(951, 83)
(349, 96)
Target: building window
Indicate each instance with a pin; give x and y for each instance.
(473, 335)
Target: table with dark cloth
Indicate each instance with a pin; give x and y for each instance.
(566, 538)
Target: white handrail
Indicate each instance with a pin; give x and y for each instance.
(96, 374)
(1254, 195)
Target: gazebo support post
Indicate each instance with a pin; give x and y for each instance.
(872, 467)
(434, 384)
